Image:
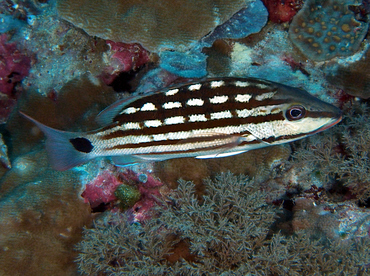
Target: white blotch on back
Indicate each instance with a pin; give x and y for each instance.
(242, 83)
(148, 107)
(259, 111)
(215, 84)
(195, 102)
(194, 87)
(197, 118)
(172, 92)
(174, 120)
(171, 105)
(219, 99)
(131, 125)
(221, 115)
(243, 98)
(264, 96)
(130, 110)
(262, 86)
(153, 123)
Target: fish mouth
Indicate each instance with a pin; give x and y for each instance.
(333, 123)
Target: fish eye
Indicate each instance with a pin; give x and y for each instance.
(295, 113)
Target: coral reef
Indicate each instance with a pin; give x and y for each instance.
(340, 221)
(85, 97)
(326, 29)
(101, 190)
(9, 23)
(260, 56)
(14, 66)
(123, 58)
(353, 78)
(127, 195)
(192, 63)
(341, 155)
(304, 213)
(41, 218)
(139, 192)
(224, 233)
(4, 159)
(257, 163)
(282, 10)
(153, 24)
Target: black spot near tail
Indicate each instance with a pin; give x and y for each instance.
(81, 144)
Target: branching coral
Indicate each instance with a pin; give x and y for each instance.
(223, 234)
(234, 217)
(342, 154)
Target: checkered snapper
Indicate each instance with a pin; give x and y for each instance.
(205, 119)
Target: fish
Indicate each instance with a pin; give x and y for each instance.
(210, 118)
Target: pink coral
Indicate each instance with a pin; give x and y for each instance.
(282, 10)
(101, 191)
(151, 192)
(123, 58)
(14, 66)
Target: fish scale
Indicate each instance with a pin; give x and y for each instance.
(206, 119)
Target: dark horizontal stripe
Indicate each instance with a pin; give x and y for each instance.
(321, 114)
(194, 140)
(204, 93)
(195, 125)
(185, 110)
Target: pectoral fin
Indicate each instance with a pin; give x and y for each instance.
(127, 160)
(218, 155)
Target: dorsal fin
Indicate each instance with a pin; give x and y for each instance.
(106, 116)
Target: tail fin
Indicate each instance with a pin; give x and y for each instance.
(63, 147)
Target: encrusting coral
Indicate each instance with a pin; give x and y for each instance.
(154, 24)
(257, 163)
(41, 218)
(225, 232)
(326, 29)
(353, 78)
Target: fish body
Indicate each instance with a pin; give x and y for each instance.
(205, 119)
